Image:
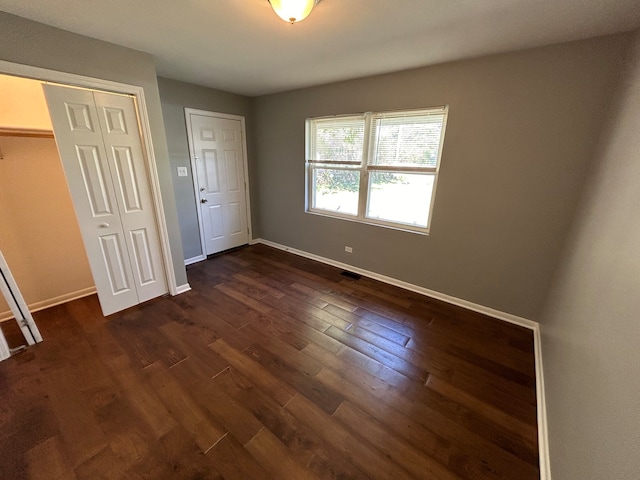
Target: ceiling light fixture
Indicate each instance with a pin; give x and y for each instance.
(293, 10)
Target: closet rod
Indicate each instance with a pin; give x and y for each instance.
(25, 132)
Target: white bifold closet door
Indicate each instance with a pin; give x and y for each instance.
(98, 138)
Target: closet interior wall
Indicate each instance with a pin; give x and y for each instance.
(39, 234)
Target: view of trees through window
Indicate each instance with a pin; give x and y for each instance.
(409, 143)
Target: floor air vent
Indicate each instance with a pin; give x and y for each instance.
(351, 275)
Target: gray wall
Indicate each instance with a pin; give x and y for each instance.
(520, 136)
(30, 43)
(175, 96)
(591, 325)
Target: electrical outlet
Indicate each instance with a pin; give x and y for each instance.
(182, 171)
(348, 249)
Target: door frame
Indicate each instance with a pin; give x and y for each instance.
(74, 80)
(194, 176)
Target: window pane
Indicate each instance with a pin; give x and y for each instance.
(407, 141)
(336, 190)
(400, 197)
(338, 139)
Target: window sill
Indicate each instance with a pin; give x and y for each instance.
(392, 226)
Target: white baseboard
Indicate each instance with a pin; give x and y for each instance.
(192, 260)
(541, 405)
(507, 317)
(543, 441)
(52, 302)
(183, 288)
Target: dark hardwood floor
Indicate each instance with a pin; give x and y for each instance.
(272, 366)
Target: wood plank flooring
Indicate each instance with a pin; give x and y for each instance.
(272, 366)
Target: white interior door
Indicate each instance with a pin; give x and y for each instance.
(99, 143)
(220, 181)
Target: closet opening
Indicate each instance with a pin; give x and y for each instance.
(40, 234)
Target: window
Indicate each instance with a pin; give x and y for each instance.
(376, 168)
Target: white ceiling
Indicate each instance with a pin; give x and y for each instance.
(241, 45)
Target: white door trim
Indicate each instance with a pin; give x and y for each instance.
(5, 352)
(72, 79)
(18, 306)
(194, 176)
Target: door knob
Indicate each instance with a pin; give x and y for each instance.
(104, 225)
(204, 200)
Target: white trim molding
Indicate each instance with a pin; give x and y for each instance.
(192, 260)
(507, 317)
(5, 352)
(15, 300)
(543, 441)
(183, 288)
(541, 405)
(52, 302)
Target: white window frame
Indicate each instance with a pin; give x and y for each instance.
(366, 166)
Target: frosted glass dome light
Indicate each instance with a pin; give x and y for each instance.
(293, 10)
